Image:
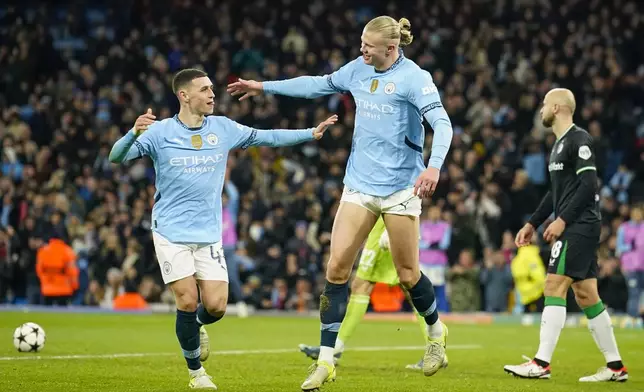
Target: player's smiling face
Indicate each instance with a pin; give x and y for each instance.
(201, 96)
(375, 48)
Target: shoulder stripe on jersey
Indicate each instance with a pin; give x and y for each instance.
(583, 169)
(332, 85)
(429, 107)
(250, 139)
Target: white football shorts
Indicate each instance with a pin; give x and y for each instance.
(403, 202)
(178, 261)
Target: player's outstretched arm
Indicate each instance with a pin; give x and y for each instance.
(300, 87)
(122, 150)
(247, 137)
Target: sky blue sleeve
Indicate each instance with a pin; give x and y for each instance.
(424, 95)
(130, 147)
(244, 137)
(313, 86)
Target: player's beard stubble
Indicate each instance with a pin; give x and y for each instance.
(548, 120)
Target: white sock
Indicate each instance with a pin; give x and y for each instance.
(435, 331)
(194, 372)
(602, 330)
(553, 320)
(339, 346)
(326, 355)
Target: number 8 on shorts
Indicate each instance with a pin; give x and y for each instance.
(574, 255)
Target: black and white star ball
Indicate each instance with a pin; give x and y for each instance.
(29, 337)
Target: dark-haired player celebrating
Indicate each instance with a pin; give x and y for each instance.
(190, 151)
(574, 236)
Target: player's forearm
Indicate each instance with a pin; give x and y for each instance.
(281, 137)
(121, 150)
(584, 195)
(546, 207)
(439, 121)
(301, 87)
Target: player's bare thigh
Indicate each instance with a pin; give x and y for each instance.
(214, 296)
(403, 233)
(351, 227)
(185, 293)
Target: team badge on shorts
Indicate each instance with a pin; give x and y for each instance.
(390, 88)
(212, 139)
(167, 268)
(196, 141)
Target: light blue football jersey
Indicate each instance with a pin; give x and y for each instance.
(387, 149)
(190, 165)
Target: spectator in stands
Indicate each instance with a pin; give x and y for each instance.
(57, 270)
(496, 279)
(612, 285)
(464, 289)
(529, 274)
(630, 250)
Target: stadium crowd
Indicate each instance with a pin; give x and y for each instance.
(74, 79)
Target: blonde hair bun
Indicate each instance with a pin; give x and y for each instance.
(405, 32)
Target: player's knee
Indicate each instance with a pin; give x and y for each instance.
(585, 296)
(337, 272)
(408, 276)
(216, 307)
(186, 301)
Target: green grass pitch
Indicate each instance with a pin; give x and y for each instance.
(122, 352)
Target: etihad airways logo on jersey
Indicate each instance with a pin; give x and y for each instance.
(197, 163)
(372, 110)
(555, 166)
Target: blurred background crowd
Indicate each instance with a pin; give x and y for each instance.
(74, 77)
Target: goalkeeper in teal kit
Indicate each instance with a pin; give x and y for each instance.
(385, 175)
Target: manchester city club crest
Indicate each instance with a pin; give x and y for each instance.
(390, 88)
(167, 268)
(374, 86)
(212, 139)
(197, 142)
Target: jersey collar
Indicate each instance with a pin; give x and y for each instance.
(192, 129)
(401, 57)
(567, 130)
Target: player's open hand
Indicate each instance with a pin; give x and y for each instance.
(143, 122)
(322, 127)
(426, 183)
(524, 236)
(554, 230)
(245, 88)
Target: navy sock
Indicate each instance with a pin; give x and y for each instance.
(205, 318)
(188, 335)
(424, 300)
(333, 305)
